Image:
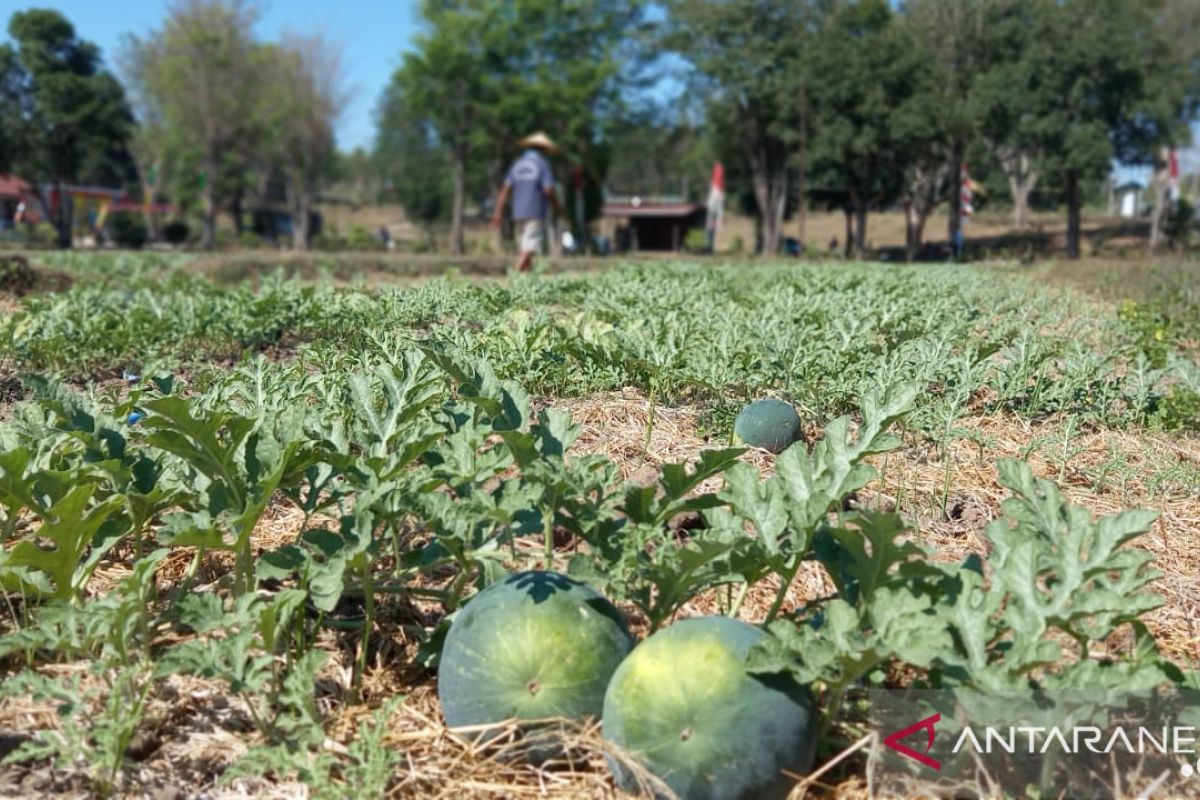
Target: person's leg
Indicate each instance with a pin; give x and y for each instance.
(529, 244)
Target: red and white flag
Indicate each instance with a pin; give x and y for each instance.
(716, 197)
(1173, 173)
(968, 194)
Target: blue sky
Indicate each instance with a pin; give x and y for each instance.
(372, 33)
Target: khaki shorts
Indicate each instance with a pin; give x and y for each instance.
(530, 238)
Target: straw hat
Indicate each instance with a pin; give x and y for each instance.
(539, 140)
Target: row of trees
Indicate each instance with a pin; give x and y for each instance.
(855, 105)
(845, 104)
(207, 115)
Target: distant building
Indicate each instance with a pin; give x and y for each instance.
(1129, 199)
(652, 224)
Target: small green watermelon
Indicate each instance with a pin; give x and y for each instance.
(769, 424)
(532, 646)
(685, 706)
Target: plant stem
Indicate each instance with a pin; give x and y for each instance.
(245, 568)
(788, 576)
(741, 597)
(369, 604)
(548, 537)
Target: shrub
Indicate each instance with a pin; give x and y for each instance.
(176, 232)
(327, 238)
(43, 233)
(16, 276)
(696, 241)
(127, 229)
(362, 239)
(250, 240)
(1179, 225)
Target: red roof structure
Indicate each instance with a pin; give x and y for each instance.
(13, 188)
(650, 225)
(671, 210)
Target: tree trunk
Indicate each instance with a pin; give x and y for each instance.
(770, 193)
(1020, 197)
(150, 191)
(299, 198)
(1018, 167)
(1158, 215)
(63, 216)
(780, 208)
(910, 231)
(848, 213)
(208, 236)
(459, 175)
(801, 171)
(1073, 211)
(919, 233)
(235, 212)
(1162, 187)
(860, 227)
(955, 211)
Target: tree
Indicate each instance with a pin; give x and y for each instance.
(408, 155)
(568, 80)
(1099, 85)
(447, 80)
(151, 144)
(11, 116)
(866, 70)
(308, 99)
(70, 116)
(1177, 85)
(955, 38)
(750, 54)
(484, 74)
(1000, 98)
(202, 73)
(926, 147)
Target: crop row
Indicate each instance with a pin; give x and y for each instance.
(820, 336)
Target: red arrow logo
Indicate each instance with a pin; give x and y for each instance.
(926, 724)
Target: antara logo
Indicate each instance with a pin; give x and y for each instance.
(928, 725)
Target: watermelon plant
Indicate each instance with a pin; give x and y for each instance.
(533, 646)
(408, 444)
(685, 705)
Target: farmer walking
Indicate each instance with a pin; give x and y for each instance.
(531, 184)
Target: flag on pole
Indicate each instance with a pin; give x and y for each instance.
(716, 204)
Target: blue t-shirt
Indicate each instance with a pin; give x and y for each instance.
(530, 177)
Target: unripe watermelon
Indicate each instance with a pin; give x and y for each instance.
(769, 423)
(684, 705)
(532, 646)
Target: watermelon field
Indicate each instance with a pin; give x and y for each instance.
(245, 515)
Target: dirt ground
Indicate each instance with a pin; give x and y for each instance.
(885, 229)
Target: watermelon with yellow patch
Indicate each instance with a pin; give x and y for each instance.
(684, 705)
(769, 424)
(533, 646)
